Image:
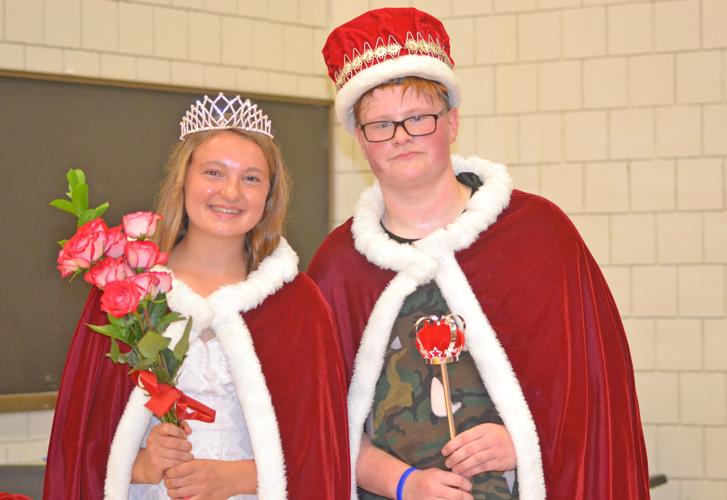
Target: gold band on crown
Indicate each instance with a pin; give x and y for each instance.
(223, 113)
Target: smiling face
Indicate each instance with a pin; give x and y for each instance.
(226, 186)
(406, 161)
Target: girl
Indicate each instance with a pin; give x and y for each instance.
(263, 349)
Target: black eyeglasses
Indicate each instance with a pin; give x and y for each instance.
(415, 126)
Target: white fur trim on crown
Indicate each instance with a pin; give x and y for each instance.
(430, 258)
(221, 312)
(422, 66)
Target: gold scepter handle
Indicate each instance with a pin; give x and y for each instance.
(448, 401)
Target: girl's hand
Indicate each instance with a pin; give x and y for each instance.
(166, 447)
(211, 479)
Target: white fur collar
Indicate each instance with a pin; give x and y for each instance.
(221, 312)
(482, 210)
(432, 258)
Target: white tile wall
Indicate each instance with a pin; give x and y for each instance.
(679, 238)
(136, 29)
(631, 133)
(81, 63)
(563, 185)
(12, 56)
(497, 138)
(714, 17)
(678, 131)
(699, 184)
(541, 137)
(584, 32)
(99, 25)
(629, 28)
(467, 7)
(607, 187)
(586, 135)
(699, 76)
(22, 21)
(170, 33)
(676, 25)
(559, 85)
(43, 59)
(678, 344)
(204, 37)
(495, 39)
(478, 91)
(539, 36)
(463, 47)
(62, 23)
(604, 82)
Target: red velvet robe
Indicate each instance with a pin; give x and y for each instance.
(295, 340)
(550, 310)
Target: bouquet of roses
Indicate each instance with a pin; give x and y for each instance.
(119, 261)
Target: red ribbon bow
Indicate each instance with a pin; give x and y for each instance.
(163, 396)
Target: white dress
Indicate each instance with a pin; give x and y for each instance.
(205, 376)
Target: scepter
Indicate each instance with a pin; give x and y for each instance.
(440, 341)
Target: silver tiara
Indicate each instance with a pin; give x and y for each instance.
(223, 113)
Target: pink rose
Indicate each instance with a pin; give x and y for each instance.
(162, 258)
(145, 283)
(140, 224)
(120, 298)
(141, 254)
(152, 283)
(108, 270)
(84, 248)
(165, 281)
(115, 242)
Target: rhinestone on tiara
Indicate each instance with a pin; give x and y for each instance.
(223, 113)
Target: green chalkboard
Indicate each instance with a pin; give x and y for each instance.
(121, 138)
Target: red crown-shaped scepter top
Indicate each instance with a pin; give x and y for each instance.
(440, 340)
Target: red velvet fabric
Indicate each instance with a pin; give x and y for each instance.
(378, 27)
(546, 298)
(300, 354)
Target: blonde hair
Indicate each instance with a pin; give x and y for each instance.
(260, 241)
(420, 86)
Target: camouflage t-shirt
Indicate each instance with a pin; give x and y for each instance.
(409, 419)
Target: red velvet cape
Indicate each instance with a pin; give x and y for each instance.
(296, 342)
(552, 311)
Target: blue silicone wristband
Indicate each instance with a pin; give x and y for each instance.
(402, 480)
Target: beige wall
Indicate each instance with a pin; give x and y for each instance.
(616, 110)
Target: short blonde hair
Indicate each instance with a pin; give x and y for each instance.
(421, 86)
(260, 241)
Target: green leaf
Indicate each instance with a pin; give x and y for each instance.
(99, 210)
(145, 363)
(109, 330)
(151, 343)
(75, 177)
(181, 348)
(170, 366)
(168, 318)
(79, 197)
(62, 243)
(122, 322)
(64, 205)
(156, 313)
(115, 351)
(86, 216)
